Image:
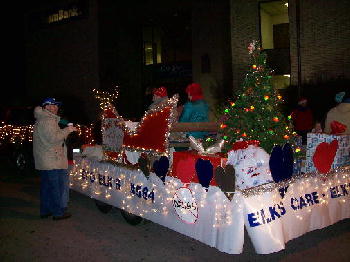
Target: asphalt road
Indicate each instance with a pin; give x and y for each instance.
(93, 236)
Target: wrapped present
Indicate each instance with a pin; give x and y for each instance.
(342, 155)
(251, 165)
(184, 163)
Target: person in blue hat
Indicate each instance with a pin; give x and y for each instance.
(50, 157)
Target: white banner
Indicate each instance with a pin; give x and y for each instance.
(219, 221)
(308, 204)
(271, 220)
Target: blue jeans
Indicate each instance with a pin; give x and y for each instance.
(51, 191)
(65, 192)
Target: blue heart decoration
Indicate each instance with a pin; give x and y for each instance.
(276, 163)
(161, 167)
(204, 170)
(281, 162)
(288, 160)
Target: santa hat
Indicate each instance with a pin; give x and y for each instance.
(161, 91)
(195, 91)
(244, 144)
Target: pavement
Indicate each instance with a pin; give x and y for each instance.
(93, 236)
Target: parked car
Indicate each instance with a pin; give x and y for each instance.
(16, 128)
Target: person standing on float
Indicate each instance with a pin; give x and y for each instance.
(195, 110)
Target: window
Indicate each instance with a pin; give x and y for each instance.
(151, 46)
(274, 35)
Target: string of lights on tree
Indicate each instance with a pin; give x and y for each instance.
(255, 113)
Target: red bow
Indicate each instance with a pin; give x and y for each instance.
(337, 127)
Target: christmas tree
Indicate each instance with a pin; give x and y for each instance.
(255, 113)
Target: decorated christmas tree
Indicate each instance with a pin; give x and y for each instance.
(254, 113)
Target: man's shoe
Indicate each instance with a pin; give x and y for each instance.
(64, 216)
(46, 215)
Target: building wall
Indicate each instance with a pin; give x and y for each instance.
(324, 37)
(211, 54)
(62, 62)
(244, 29)
(120, 55)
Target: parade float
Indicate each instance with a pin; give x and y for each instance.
(213, 191)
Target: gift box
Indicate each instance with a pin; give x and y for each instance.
(184, 165)
(342, 157)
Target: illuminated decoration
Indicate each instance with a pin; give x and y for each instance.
(152, 132)
(150, 135)
(226, 110)
(298, 149)
(232, 103)
(106, 98)
(257, 110)
(223, 126)
(16, 134)
(185, 205)
(309, 198)
(23, 134)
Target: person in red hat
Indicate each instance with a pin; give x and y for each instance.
(196, 109)
(302, 118)
(160, 96)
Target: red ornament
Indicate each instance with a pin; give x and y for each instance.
(324, 156)
(275, 119)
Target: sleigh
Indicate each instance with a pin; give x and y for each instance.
(150, 136)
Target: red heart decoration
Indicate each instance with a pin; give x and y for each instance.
(324, 156)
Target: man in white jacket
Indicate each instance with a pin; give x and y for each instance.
(50, 156)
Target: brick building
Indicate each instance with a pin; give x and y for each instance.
(73, 46)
